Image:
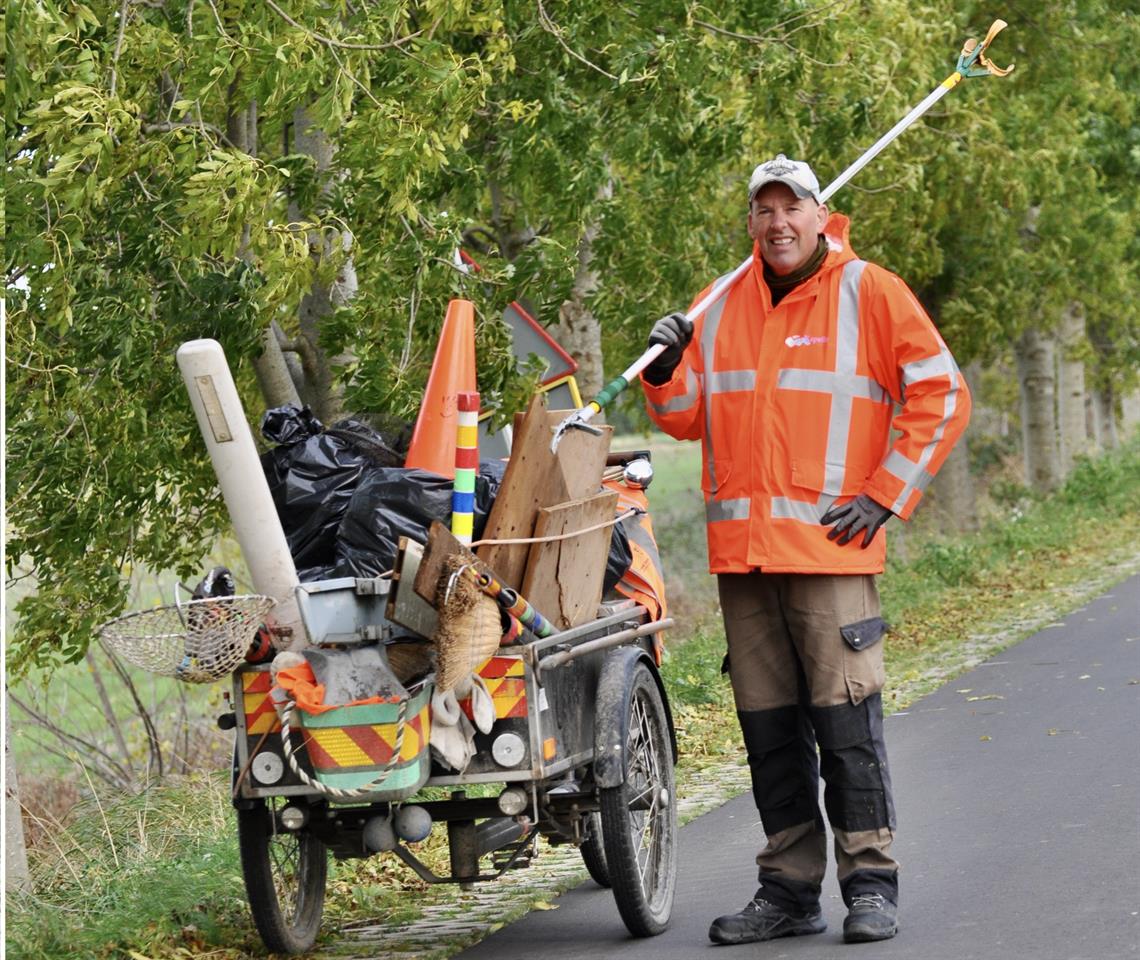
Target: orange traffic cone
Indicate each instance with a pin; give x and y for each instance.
(452, 372)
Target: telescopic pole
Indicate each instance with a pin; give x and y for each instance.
(972, 54)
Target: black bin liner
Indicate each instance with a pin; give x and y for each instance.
(620, 558)
(312, 476)
(398, 502)
(344, 501)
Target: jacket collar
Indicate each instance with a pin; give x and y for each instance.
(837, 231)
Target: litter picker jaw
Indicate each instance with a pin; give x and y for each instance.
(972, 62)
(974, 53)
(578, 420)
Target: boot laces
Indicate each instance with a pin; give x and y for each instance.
(875, 900)
(756, 905)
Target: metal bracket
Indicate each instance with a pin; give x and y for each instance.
(371, 586)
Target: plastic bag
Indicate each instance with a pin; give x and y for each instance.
(288, 424)
(397, 502)
(312, 476)
(620, 558)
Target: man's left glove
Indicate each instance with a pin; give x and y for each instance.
(862, 513)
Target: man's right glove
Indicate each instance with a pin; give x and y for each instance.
(675, 331)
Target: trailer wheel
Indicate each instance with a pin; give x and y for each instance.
(594, 852)
(285, 874)
(639, 815)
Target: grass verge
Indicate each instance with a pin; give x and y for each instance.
(156, 876)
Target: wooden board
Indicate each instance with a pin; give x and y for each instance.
(564, 578)
(441, 544)
(536, 478)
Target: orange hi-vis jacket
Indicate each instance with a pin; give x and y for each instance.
(794, 406)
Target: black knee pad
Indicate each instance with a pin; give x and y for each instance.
(785, 770)
(853, 761)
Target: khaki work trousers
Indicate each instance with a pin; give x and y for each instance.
(798, 683)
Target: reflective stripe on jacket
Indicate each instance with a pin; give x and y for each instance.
(794, 406)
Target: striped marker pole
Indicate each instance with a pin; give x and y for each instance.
(516, 605)
(466, 466)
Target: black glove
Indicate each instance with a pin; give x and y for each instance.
(862, 513)
(675, 331)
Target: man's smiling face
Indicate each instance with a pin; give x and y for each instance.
(786, 226)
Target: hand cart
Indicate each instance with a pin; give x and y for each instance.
(581, 751)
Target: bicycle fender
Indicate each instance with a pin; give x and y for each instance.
(611, 717)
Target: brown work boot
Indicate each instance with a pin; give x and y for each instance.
(763, 920)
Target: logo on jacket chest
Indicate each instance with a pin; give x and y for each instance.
(803, 340)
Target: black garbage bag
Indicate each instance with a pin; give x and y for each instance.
(288, 424)
(397, 502)
(620, 558)
(312, 476)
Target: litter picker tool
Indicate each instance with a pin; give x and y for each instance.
(972, 62)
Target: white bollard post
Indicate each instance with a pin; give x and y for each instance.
(244, 487)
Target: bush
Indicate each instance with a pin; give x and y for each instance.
(954, 563)
(1105, 484)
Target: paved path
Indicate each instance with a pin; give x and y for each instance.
(1018, 790)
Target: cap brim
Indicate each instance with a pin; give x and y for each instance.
(798, 189)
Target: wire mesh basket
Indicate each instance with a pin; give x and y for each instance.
(197, 641)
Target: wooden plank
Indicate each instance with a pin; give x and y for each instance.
(581, 456)
(536, 478)
(441, 544)
(406, 607)
(564, 577)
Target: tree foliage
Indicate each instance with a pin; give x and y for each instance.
(156, 193)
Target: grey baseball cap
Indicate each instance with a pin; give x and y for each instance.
(793, 173)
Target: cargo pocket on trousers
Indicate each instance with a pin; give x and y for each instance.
(863, 669)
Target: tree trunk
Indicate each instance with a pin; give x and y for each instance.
(578, 329)
(1072, 422)
(1102, 416)
(273, 375)
(17, 877)
(1129, 414)
(319, 389)
(1035, 373)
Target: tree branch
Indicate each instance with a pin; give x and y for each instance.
(109, 713)
(330, 42)
(770, 35)
(217, 18)
(167, 126)
(555, 31)
(123, 11)
(154, 742)
(91, 750)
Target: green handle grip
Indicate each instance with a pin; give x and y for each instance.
(610, 390)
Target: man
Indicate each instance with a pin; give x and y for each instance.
(790, 381)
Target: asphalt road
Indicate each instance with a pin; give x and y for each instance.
(1018, 795)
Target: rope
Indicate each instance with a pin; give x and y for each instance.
(354, 794)
(632, 511)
